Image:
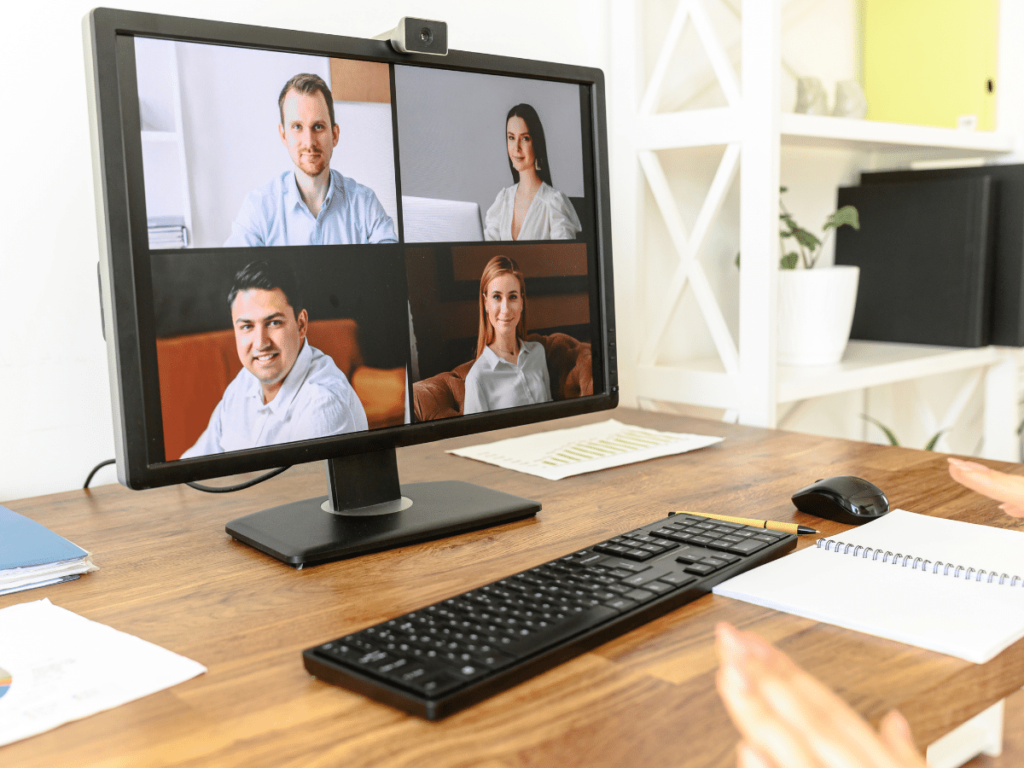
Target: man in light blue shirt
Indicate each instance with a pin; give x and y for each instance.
(287, 390)
(312, 204)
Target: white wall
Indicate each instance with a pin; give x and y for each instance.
(55, 421)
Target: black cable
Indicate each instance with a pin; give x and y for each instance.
(96, 469)
(197, 486)
(240, 486)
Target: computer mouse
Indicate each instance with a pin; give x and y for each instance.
(844, 499)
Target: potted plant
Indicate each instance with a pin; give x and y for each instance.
(815, 305)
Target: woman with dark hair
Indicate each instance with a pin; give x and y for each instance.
(509, 370)
(531, 209)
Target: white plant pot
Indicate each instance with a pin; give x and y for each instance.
(815, 313)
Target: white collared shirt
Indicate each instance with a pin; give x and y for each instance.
(275, 214)
(494, 383)
(315, 400)
(551, 216)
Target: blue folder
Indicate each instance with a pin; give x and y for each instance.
(25, 543)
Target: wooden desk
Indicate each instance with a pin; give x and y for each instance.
(169, 574)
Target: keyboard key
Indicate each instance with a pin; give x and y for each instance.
(692, 554)
(621, 604)
(701, 569)
(748, 547)
(659, 587)
(676, 580)
(637, 554)
(727, 558)
(622, 565)
(638, 579)
(640, 595)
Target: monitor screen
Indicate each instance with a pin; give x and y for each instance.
(316, 247)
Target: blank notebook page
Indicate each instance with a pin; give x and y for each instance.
(971, 620)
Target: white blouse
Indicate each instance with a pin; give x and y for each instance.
(551, 216)
(494, 382)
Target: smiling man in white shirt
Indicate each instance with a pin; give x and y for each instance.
(287, 390)
(311, 204)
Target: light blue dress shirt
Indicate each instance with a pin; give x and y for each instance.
(275, 214)
(315, 400)
(494, 383)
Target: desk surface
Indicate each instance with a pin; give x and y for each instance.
(171, 575)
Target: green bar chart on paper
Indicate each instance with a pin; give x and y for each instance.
(565, 452)
(629, 441)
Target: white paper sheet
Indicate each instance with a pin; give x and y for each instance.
(58, 666)
(563, 453)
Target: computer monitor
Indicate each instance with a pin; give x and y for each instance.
(272, 293)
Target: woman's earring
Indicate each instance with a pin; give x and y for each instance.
(536, 163)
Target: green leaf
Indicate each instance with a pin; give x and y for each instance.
(847, 215)
(789, 261)
(807, 239)
(888, 432)
(783, 190)
(935, 438)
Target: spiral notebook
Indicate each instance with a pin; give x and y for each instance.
(944, 585)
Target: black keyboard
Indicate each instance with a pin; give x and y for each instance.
(445, 657)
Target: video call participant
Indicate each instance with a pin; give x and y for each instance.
(287, 390)
(531, 209)
(311, 204)
(509, 370)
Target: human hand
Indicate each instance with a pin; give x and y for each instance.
(790, 720)
(1000, 486)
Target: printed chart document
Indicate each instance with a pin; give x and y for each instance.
(56, 666)
(563, 453)
(943, 585)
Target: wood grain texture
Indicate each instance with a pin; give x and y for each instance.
(171, 575)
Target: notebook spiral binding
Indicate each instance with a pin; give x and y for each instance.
(918, 562)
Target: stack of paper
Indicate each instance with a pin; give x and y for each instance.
(31, 555)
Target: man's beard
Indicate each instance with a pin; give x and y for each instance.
(312, 165)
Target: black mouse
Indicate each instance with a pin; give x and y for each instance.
(844, 499)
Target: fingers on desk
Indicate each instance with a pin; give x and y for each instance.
(788, 719)
(991, 483)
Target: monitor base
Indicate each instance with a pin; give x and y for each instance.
(301, 533)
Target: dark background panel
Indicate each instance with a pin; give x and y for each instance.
(364, 283)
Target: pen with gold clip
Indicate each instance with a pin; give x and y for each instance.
(770, 525)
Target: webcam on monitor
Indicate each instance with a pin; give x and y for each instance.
(419, 36)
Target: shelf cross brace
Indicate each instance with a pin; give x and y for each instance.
(689, 269)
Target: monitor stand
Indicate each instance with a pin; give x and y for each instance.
(368, 510)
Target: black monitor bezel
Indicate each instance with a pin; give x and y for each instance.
(118, 171)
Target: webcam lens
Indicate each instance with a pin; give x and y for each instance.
(426, 36)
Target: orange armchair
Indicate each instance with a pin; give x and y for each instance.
(570, 368)
(196, 369)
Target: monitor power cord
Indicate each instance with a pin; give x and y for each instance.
(197, 486)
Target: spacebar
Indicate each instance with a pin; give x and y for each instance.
(563, 630)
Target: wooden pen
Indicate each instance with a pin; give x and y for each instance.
(770, 525)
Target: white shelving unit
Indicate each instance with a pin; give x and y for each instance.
(163, 142)
(744, 378)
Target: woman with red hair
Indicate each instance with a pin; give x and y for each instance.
(509, 370)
